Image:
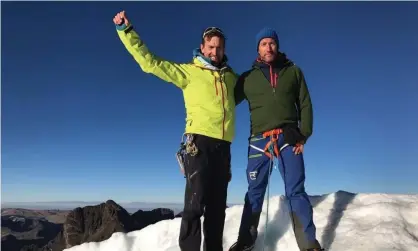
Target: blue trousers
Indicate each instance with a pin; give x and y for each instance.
(292, 170)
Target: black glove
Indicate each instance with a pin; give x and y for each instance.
(292, 135)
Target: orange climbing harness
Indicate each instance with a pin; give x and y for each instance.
(274, 137)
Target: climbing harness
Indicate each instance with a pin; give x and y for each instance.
(271, 147)
(187, 146)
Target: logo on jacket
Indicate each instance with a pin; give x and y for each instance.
(253, 175)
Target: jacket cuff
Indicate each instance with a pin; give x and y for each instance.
(121, 27)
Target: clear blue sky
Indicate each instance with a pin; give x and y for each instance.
(81, 121)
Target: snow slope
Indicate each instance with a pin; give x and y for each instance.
(345, 221)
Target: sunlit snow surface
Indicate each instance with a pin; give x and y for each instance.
(344, 221)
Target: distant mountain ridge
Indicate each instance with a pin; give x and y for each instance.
(69, 205)
(54, 229)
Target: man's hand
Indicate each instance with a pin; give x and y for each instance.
(121, 18)
(298, 149)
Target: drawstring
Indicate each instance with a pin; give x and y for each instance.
(273, 75)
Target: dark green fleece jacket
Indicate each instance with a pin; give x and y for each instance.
(277, 95)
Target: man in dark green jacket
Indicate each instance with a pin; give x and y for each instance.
(281, 123)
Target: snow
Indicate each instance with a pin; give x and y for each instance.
(345, 221)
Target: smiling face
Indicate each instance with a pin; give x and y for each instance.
(267, 49)
(213, 47)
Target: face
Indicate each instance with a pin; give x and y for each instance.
(267, 49)
(213, 48)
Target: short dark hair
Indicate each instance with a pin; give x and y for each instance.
(210, 32)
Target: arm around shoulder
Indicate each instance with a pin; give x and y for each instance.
(239, 93)
(168, 71)
(305, 105)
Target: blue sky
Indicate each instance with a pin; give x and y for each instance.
(82, 122)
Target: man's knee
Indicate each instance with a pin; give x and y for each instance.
(192, 212)
(294, 176)
(296, 191)
(215, 212)
(255, 197)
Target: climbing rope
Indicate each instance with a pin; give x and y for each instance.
(273, 164)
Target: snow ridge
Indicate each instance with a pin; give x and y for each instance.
(345, 222)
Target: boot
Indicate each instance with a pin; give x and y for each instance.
(237, 246)
(245, 244)
(246, 241)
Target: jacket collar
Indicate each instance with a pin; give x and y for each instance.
(200, 60)
(281, 61)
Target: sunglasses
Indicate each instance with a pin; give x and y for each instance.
(211, 30)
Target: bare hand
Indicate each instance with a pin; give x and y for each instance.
(298, 149)
(121, 18)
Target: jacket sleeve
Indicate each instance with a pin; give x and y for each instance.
(239, 90)
(166, 70)
(305, 106)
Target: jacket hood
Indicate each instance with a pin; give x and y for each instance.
(281, 61)
(206, 62)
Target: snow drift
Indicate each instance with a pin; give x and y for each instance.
(345, 221)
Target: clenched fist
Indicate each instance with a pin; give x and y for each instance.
(121, 19)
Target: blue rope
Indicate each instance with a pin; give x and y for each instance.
(273, 162)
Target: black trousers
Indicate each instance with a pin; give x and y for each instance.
(207, 176)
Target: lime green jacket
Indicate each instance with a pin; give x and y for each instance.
(208, 92)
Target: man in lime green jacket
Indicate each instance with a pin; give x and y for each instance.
(208, 86)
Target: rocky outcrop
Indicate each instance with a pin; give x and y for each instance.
(31, 227)
(10, 242)
(92, 223)
(83, 224)
(98, 223)
(19, 232)
(145, 218)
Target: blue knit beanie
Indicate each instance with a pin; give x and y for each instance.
(267, 32)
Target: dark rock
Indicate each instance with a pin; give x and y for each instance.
(11, 243)
(87, 224)
(94, 223)
(17, 223)
(27, 233)
(145, 218)
(98, 223)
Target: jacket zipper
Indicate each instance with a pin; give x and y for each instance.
(223, 107)
(223, 101)
(216, 85)
(273, 79)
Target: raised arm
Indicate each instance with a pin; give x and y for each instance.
(305, 106)
(168, 71)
